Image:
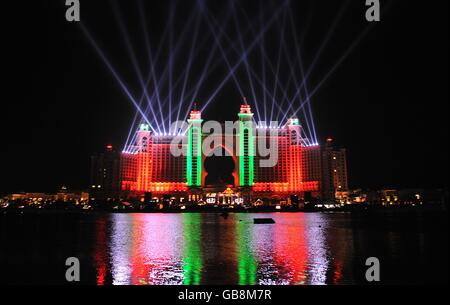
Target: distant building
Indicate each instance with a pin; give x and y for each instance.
(438, 197)
(105, 174)
(389, 197)
(334, 171)
(312, 170)
(66, 195)
(357, 196)
(62, 195)
(32, 196)
(411, 196)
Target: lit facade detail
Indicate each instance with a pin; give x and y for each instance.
(194, 151)
(294, 155)
(246, 147)
(148, 166)
(334, 171)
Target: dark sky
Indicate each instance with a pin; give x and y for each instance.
(387, 103)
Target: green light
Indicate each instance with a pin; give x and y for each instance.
(199, 157)
(246, 152)
(192, 259)
(189, 159)
(251, 150)
(241, 157)
(194, 175)
(247, 264)
(145, 127)
(294, 122)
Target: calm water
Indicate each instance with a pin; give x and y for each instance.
(157, 249)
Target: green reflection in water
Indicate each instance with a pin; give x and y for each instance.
(247, 264)
(192, 252)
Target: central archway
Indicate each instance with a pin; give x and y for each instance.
(220, 169)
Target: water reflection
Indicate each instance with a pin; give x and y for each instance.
(247, 263)
(100, 251)
(193, 249)
(318, 262)
(155, 249)
(121, 236)
(290, 249)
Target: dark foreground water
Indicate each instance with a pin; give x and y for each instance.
(161, 249)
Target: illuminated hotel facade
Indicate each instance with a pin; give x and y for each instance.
(148, 166)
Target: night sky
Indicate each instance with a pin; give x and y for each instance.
(387, 103)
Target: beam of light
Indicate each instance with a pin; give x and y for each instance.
(131, 52)
(188, 68)
(207, 70)
(263, 61)
(345, 55)
(246, 64)
(212, 24)
(155, 59)
(142, 98)
(158, 83)
(302, 71)
(242, 58)
(132, 141)
(197, 85)
(266, 60)
(114, 73)
(171, 59)
(265, 89)
(281, 43)
(130, 132)
(136, 116)
(133, 125)
(292, 64)
(174, 52)
(329, 35)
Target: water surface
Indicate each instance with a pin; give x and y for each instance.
(192, 249)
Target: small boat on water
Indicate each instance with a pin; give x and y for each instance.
(258, 221)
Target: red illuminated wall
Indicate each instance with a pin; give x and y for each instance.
(156, 171)
(297, 169)
(128, 172)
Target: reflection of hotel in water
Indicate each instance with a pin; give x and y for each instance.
(148, 166)
(168, 249)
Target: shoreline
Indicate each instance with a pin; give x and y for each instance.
(226, 211)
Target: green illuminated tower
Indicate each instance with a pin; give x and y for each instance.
(194, 153)
(246, 147)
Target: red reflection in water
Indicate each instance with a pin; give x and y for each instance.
(337, 272)
(291, 255)
(100, 250)
(154, 249)
(139, 268)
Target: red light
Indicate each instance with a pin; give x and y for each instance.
(246, 109)
(109, 147)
